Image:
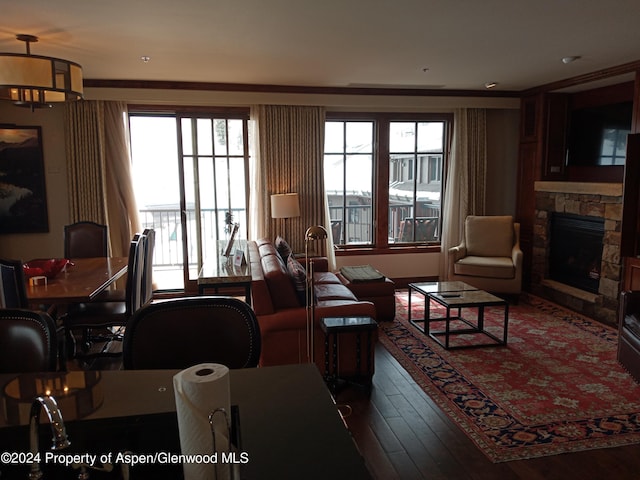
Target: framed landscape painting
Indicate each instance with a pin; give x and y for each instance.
(23, 195)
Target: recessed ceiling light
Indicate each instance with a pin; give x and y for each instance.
(490, 84)
(570, 59)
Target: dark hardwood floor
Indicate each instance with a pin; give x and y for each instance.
(402, 434)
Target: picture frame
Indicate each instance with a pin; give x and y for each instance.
(23, 194)
(238, 259)
(232, 237)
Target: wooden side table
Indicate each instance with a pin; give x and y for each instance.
(332, 327)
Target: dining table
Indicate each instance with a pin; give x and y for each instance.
(81, 281)
(287, 422)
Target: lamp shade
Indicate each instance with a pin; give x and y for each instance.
(37, 81)
(285, 205)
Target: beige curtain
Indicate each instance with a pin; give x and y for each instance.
(288, 158)
(466, 178)
(98, 169)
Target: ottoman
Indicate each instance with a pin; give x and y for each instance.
(368, 284)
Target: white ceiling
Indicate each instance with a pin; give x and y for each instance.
(336, 43)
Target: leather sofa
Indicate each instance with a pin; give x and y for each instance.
(629, 332)
(282, 316)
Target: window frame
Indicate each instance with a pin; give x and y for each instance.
(178, 113)
(380, 192)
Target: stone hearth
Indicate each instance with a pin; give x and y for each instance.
(602, 200)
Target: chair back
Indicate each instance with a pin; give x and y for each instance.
(85, 239)
(180, 332)
(147, 271)
(490, 235)
(28, 341)
(134, 288)
(13, 290)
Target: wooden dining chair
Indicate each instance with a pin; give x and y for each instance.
(100, 321)
(181, 332)
(28, 341)
(13, 291)
(86, 239)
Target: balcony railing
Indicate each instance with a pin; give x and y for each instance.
(358, 229)
(166, 223)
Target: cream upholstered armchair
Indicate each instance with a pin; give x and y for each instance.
(489, 256)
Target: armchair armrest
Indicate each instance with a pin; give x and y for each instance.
(517, 256)
(458, 252)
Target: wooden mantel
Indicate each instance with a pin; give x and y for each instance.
(583, 188)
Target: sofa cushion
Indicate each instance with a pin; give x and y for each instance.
(325, 277)
(283, 248)
(283, 293)
(489, 236)
(299, 277)
(333, 291)
(494, 267)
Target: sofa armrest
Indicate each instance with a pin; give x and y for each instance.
(320, 264)
(344, 308)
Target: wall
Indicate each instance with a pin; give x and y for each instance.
(38, 245)
(502, 132)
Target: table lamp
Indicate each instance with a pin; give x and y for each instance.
(285, 205)
(313, 233)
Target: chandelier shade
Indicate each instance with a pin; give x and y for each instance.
(38, 81)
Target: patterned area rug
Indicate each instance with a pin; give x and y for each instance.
(555, 388)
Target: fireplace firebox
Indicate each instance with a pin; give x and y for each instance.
(575, 253)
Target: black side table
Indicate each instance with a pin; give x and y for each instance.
(332, 327)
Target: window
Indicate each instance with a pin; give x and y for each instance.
(190, 175)
(348, 167)
(415, 196)
(383, 177)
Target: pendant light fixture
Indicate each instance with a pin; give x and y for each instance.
(36, 81)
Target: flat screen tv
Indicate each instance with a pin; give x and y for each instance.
(598, 135)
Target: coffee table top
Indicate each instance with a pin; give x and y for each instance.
(467, 298)
(427, 288)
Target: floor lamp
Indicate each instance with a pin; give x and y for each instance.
(316, 232)
(285, 205)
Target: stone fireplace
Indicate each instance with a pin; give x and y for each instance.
(581, 203)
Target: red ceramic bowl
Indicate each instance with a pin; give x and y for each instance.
(45, 267)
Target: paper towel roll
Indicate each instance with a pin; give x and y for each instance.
(200, 390)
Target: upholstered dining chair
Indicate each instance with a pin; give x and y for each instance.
(489, 256)
(86, 239)
(28, 341)
(13, 292)
(181, 332)
(95, 318)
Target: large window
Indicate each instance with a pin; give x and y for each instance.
(384, 178)
(416, 155)
(348, 167)
(190, 175)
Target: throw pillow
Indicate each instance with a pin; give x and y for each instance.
(299, 277)
(283, 248)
